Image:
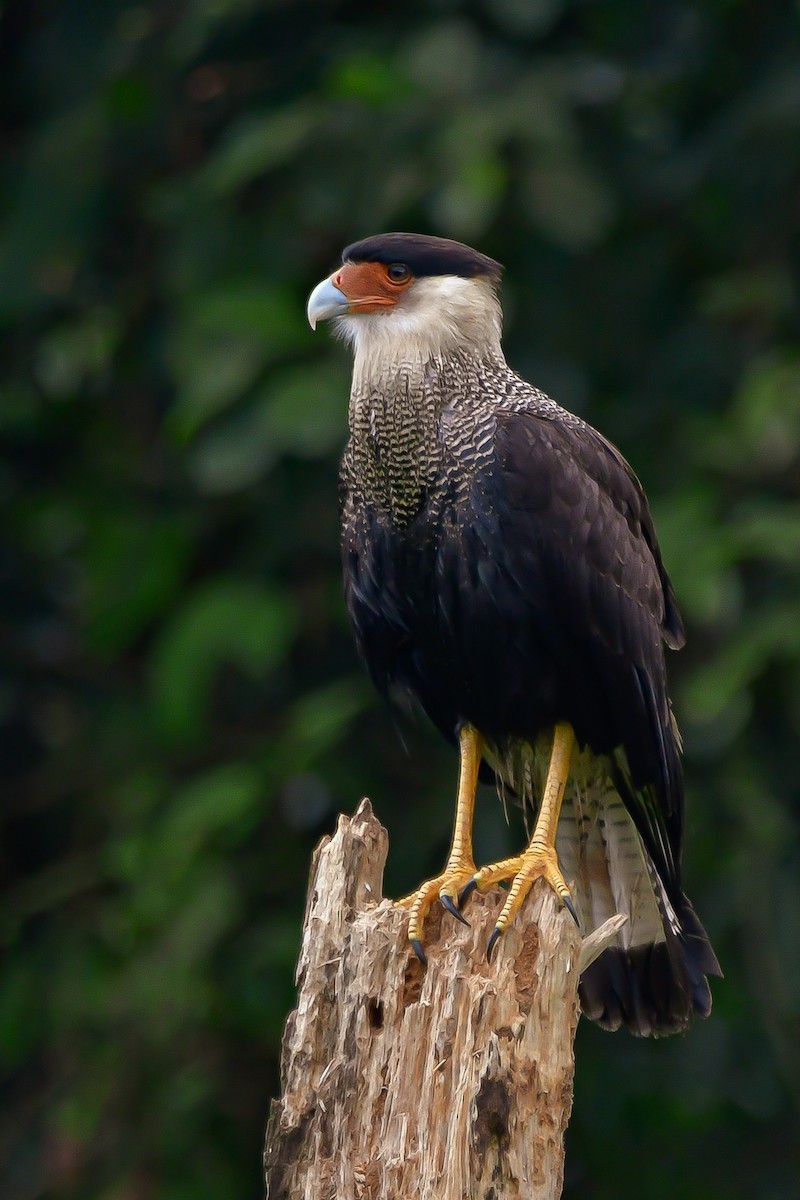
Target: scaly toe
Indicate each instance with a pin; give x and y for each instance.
(446, 888)
(499, 872)
(535, 865)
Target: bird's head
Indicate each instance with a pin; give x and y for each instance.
(412, 298)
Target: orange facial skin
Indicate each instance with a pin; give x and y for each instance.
(369, 286)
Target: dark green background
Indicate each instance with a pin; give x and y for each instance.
(183, 713)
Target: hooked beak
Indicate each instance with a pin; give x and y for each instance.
(326, 301)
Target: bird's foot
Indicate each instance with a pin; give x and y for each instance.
(446, 887)
(538, 862)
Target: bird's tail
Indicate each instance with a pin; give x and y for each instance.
(654, 978)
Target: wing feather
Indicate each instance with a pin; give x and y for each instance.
(575, 522)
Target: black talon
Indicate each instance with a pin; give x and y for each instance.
(571, 910)
(447, 902)
(493, 940)
(416, 946)
(467, 890)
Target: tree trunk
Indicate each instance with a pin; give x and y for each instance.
(405, 1083)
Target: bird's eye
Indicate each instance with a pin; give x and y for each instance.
(398, 272)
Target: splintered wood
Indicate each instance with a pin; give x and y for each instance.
(405, 1083)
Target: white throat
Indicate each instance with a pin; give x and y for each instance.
(438, 317)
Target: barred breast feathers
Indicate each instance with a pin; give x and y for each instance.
(427, 381)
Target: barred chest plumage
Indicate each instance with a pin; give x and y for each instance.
(422, 434)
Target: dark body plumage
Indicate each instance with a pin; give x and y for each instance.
(501, 565)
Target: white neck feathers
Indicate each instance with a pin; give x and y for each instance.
(438, 317)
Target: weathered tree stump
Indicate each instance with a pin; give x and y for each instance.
(404, 1083)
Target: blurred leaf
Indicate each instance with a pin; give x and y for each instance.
(121, 601)
(76, 353)
(569, 202)
(318, 720)
(223, 342)
(531, 17)
(768, 529)
(768, 636)
(258, 143)
(302, 411)
(762, 292)
(20, 1033)
(701, 552)
(233, 455)
(216, 808)
(370, 79)
(225, 621)
(443, 59)
(764, 432)
(53, 199)
(166, 982)
(305, 409)
(130, 98)
(475, 174)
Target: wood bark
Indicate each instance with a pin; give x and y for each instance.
(451, 1082)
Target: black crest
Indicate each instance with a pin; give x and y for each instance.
(424, 255)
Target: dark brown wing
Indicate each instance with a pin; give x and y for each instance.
(576, 531)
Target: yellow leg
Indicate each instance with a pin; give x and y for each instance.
(540, 859)
(460, 863)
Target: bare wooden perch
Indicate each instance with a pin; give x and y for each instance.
(400, 1083)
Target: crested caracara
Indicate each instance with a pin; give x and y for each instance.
(501, 566)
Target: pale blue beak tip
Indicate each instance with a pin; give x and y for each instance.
(326, 301)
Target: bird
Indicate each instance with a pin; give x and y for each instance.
(501, 567)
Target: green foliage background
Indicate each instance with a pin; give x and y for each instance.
(182, 715)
